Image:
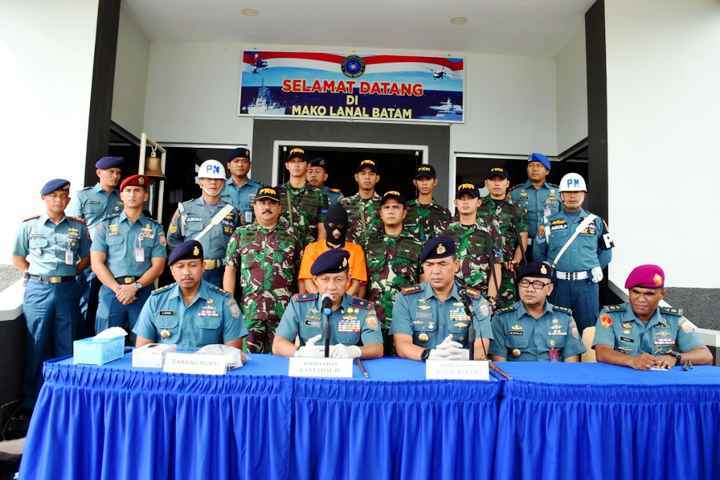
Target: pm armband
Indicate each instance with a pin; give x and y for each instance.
(606, 241)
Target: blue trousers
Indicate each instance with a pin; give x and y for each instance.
(52, 314)
(580, 295)
(112, 313)
(88, 302)
(214, 276)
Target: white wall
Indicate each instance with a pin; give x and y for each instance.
(131, 67)
(572, 110)
(663, 93)
(46, 53)
(192, 95)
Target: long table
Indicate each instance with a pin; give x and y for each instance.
(549, 421)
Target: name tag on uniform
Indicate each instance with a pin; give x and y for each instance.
(167, 312)
(320, 367)
(139, 254)
(69, 257)
(457, 370)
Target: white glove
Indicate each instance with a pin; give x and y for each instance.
(449, 350)
(597, 274)
(345, 351)
(310, 350)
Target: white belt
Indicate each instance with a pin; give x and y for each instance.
(529, 241)
(572, 275)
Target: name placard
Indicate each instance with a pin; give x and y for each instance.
(194, 363)
(320, 367)
(457, 370)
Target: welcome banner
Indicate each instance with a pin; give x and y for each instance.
(362, 86)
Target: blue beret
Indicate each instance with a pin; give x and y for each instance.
(535, 269)
(54, 185)
(332, 261)
(438, 247)
(109, 162)
(539, 157)
(189, 249)
(239, 152)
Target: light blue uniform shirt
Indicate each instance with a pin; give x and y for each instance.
(353, 323)
(537, 203)
(619, 328)
(196, 215)
(417, 312)
(333, 194)
(52, 249)
(94, 204)
(586, 251)
(212, 317)
(520, 337)
(241, 197)
(129, 246)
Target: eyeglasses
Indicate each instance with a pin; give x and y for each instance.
(535, 284)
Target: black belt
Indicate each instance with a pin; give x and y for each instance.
(126, 280)
(50, 279)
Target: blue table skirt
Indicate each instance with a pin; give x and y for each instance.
(603, 422)
(116, 422)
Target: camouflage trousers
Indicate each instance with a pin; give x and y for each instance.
(507, 294)
(261, 333)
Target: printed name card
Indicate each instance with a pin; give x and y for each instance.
(320, 367)
(194, 363)
(457, 370)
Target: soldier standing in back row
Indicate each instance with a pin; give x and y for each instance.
(425, 217)
(362, 208)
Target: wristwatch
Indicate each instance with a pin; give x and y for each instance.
(137, 285)
(425, 354)
(677, 356)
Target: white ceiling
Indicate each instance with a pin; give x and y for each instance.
(514, 27)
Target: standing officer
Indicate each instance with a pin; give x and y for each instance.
(511, 225)
(425, 217)
(354, 329)
(93, 204)
(430, 319)
(363, 207)
(193, 217)
(128, 254)
(536, 198)
(479, 250)
(239, 190)
(191, 312)
(50, 249)
(317, 176)
(304, 206)
(533, 329)
(640, 335)
(393, 260)
(266, 255)
(577, 244)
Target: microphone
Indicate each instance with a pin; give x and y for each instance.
(471, 329)
(326, 305)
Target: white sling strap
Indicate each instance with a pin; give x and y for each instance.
(583, 225)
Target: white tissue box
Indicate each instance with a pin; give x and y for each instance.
(151, 355)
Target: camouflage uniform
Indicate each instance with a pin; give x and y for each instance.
(267, 260)
(477, 248)
(510, 222)
(393, 264)
(426, 221)
(363, 217)
(303, 208)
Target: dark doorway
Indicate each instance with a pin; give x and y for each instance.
(396, 167)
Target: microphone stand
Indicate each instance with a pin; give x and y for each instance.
(471, 335)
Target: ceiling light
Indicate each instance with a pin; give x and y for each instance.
(249, 12)
(458, 20)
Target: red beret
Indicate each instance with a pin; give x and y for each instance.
(646, 276)
(136, 181)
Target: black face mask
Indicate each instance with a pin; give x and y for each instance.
(336, 226)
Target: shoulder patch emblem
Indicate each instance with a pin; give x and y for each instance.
(686, 325)
(411, 290)
(606, 320)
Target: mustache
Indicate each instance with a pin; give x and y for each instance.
(267, 211)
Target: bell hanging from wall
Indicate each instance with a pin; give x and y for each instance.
(153, 166)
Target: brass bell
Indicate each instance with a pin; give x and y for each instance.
(153, 166)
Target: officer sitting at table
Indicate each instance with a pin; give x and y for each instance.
(191, 312)
(430, 319)
(640, 335)
(533, 328)
(354, 326)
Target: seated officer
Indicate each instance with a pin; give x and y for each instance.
(191, 312)
(533, 328)
(640, 335)
(430, 320)
(354, 326)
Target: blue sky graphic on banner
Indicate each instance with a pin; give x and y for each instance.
(364, 86)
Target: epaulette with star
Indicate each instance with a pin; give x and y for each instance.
(305, 297)
(472, 293)
(615, 308)
(551, 185)
(677, 312)
(219, 290)
(77, 219)
(31, 218)
(411, 290)
(360, 303)
(336, 190)
(510, 308)
(558, 308)
(162, 289)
